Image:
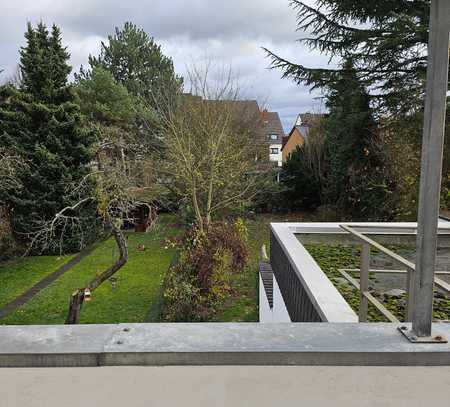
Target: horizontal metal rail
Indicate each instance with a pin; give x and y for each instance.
(394, 271)
(377, 304)
(409, 265)
(443, 285)
(364, 276)
(380, 247)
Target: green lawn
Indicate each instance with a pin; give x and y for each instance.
(137, 288)
(19, 275)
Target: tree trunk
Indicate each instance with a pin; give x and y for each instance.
(123, 258)
(77, 299)
(198, 214)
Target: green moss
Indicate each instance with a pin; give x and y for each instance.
(331, 258)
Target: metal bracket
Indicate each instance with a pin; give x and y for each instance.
(413, 338)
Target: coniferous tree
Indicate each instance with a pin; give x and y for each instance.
(386, 39)
(103, 100)
(302, 190)
(387, 43)
(43, 64)
(137, 62)
(41, 123)
(355, 179)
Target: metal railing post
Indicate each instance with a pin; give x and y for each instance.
(431, 166)
(409, 294)
(364, 282)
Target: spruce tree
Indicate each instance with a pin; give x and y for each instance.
(42, 123)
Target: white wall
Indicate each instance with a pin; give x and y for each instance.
(265, 313)
(276, 157)
(280, 312)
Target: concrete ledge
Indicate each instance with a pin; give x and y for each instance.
(383, 232)
(326, 300)
(328, 344)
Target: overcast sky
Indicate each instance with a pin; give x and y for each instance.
(226, 32)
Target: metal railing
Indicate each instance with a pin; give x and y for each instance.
(296, 299)
(363, 286)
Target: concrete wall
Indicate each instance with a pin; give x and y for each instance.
(225, 386)
(265, 312)
(308, 293)
(280, 312)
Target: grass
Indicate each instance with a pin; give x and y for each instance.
(242, 306)
(18, 276)
(136, 290)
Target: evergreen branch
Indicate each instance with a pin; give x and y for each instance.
(306, 19)
(300, 74)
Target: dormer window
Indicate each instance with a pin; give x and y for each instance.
(273, 136)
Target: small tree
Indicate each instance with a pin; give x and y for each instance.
(118, 181)
(303, 174)
(212, 145)
(112, 192)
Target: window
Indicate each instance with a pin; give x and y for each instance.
(274, 150)
(272, 136)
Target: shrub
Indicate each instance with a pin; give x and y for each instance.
(199, 282)
(302, 174)
(302, 188)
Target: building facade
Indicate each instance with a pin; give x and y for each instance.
(273, 135)
(299, 133)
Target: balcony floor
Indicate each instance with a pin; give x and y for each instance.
(225, 386)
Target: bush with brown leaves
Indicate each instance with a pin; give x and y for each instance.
(200, 280)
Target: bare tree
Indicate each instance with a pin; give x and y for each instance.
(116, 186)
(9, 179)
(9, 165)
(213, 145)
